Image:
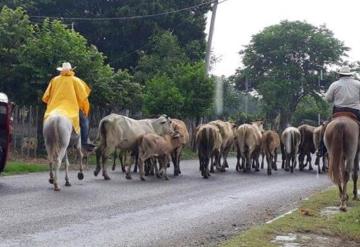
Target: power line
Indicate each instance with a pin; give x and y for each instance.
(126, 17)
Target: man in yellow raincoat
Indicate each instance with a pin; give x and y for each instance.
(68, 95)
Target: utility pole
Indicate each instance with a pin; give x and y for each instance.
(211, 32)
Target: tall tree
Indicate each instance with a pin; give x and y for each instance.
(283, 62)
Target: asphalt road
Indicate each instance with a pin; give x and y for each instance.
(184, 211)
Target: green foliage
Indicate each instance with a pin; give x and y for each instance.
(162, 96)
(53, 44)
(283, 61)
(122, 40)
(15, 29)
(308, 109)
(197, 89)
(165, 54)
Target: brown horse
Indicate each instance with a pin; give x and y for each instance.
(341, 138)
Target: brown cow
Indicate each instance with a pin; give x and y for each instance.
(248, 144)
(208, 142)
(270, 142)
(227, 134)
(153, 145)
(180, 127)
(318, 135)
(306, 147)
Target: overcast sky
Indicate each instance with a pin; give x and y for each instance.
(238, 20)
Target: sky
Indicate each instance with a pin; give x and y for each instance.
(237, 20)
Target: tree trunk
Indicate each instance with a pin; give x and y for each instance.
(285, 118)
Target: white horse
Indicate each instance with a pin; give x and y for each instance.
(57, 133)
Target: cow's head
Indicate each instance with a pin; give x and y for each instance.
(163, 126)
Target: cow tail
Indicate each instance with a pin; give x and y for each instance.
(336, 159)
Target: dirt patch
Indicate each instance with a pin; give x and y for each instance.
(310, 240)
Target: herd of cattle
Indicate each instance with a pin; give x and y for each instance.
(143, 142)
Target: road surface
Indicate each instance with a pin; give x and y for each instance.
(184, 211)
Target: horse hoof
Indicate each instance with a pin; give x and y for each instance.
(80, 175)
(310, 168)
(166, 178)
(343, 208)
(96, 172)
(355, 198)
(269, 173)
(56, 189)
(51, 180)
(212, 171)
(142, 179)
(106, 177)
(128, 177)
(67, 184)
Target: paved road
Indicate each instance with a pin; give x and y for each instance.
(184, 211)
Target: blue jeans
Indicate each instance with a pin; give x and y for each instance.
(84, 128)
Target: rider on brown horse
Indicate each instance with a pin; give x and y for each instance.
(345, 93)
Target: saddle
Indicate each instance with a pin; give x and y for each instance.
(345, 114)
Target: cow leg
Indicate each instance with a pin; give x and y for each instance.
(309, 161)
(269, 163)
(114, 160)
(99, 153)
(141, 169)
(67, 183)
(301, 161)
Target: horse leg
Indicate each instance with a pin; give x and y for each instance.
(67, 183)
(344, 196)
(355, 177)
(51, 175)
(141, 169)
(57, 168)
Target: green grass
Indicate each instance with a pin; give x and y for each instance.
(17, 167)
(345, 226)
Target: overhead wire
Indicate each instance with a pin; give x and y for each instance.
(126, 17)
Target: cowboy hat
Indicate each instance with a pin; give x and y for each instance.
(345, 70)
(65, 66)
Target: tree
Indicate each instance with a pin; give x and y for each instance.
(283, 62)
(15, 30)
(162, 96)
(121, 40)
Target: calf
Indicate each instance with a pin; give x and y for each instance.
(291, 140)
(208, 142)
(153, 145)
(180, 127)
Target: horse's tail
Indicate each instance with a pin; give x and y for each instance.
(52, 137)
(336, 159)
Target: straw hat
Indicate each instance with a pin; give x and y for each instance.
(65, 66)
(345, 70)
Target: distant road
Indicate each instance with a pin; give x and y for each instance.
(184, 211)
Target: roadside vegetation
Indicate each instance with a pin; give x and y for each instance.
(310, 221)
(19, 167)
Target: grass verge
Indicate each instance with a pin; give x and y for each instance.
(18, 167)
(307, 220)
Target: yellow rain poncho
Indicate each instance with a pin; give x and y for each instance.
(66, 95)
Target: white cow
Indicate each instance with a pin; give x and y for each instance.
(117, 131)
